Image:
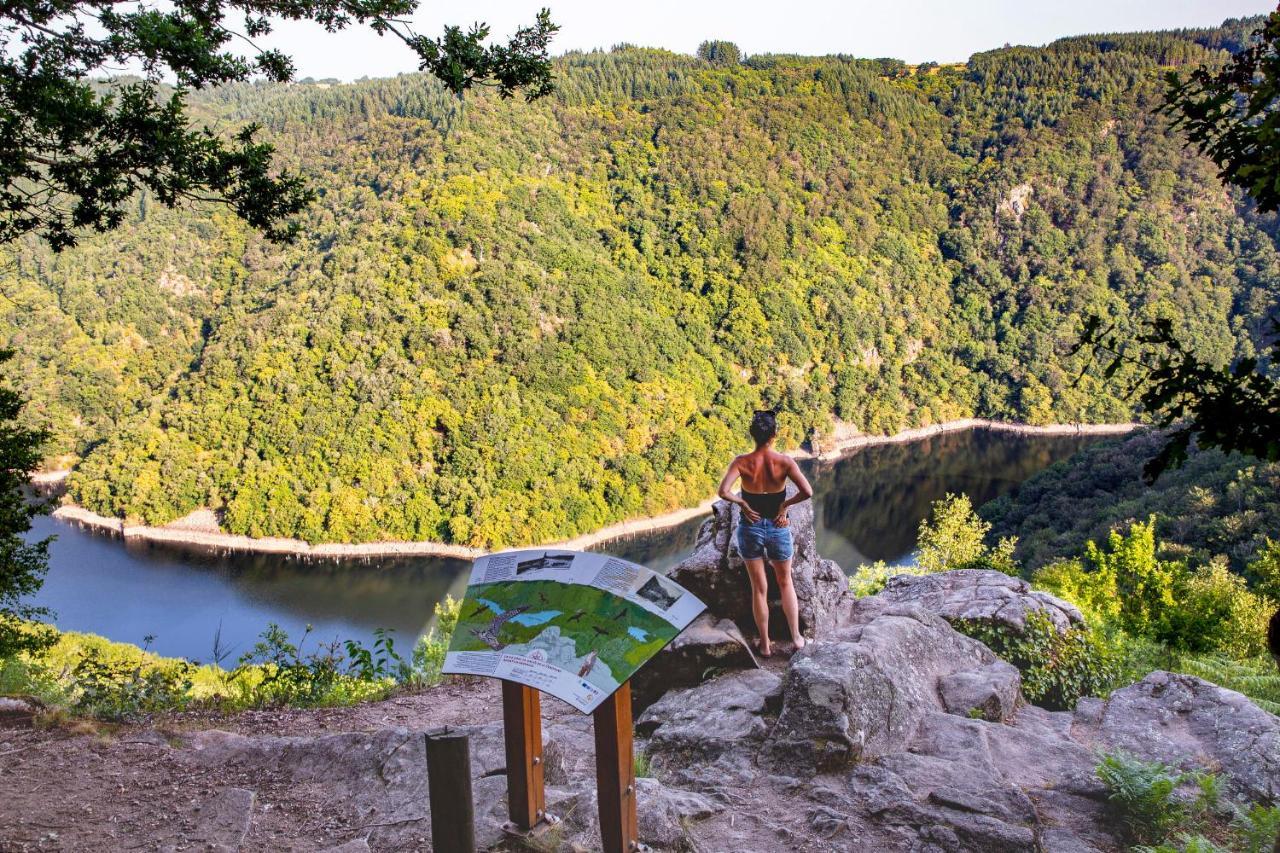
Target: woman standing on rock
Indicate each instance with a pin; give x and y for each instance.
(764, 531)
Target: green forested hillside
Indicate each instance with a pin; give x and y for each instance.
(511, 322)
(1214, 505)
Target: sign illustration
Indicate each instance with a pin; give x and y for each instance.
(569, 623)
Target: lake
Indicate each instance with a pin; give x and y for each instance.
(868, 506)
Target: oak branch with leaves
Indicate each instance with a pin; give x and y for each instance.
(75, 147)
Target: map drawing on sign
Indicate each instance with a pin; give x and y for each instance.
(569, 623)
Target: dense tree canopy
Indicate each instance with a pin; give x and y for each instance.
(22, 564)
(1231, 113)
(74, 151)
(525, 321)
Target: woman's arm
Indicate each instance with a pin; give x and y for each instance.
(726, 486)
(804, 491)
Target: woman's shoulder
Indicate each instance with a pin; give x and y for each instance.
(781, 458)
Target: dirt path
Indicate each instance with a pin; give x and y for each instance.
(81, 787)
(178, 783)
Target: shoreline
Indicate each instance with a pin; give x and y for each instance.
(835, 447)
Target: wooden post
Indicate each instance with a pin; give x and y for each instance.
(449, 788)
(522, 726)
(616, 772)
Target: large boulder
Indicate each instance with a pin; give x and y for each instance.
(707, 646)
(1189, 722)
(716, 573)
(981, 595)
(863, 692)
(722, 714)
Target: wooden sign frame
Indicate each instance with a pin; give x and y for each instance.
(615, 766)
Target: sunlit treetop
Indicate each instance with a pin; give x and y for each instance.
(74, 149)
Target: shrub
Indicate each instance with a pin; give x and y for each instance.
(1185, 844)
(276, 672)
(1141, 586)
(1094, 592)
(870, 578)
(120, 690)
(21, 675)
(1206, 611)
(1265, 568)
(379, 663)
(428, 654)
(1258, 827)
(953, 537)
(1215, 612)
(1057, 667)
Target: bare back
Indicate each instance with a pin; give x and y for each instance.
(764, 471)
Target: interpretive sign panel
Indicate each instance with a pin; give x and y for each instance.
(569, 623)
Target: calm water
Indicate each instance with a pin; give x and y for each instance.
(868, 507)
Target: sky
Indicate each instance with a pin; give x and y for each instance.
(912, 30)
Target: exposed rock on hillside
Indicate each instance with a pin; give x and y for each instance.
(890, 731)
(863, 692)
(714, 717)
(707, 645)
(984, 595)
(1189, 722)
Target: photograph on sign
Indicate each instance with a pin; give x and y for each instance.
(569, 623)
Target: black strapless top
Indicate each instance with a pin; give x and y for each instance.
(766, 504)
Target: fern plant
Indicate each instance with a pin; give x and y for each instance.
(1258, 828)
(1143, 795)
(1185, 844)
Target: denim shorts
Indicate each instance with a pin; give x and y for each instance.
(764, 539)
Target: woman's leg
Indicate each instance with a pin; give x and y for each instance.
(760, 602)
(790, 607)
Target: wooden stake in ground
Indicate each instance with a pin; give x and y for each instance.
(616, 772)
(453, 821)
(522, 726)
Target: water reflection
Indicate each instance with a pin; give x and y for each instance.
(868, 506)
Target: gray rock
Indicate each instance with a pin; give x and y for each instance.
(716, 574)
(863, 693)
(724, 713)
(1191, 723)
(990, 692)
(707, 645)
(978, 810)
(220, 822)
(981, 594)
(663, 814)
(355, 845)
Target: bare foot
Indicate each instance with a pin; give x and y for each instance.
(801, 642)
(764, 649)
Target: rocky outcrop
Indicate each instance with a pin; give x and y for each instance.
(981, 595)
(716, 574)
(990, 692)
(707, 646)
(714, 717)
(1189, 722)
(862, 693)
